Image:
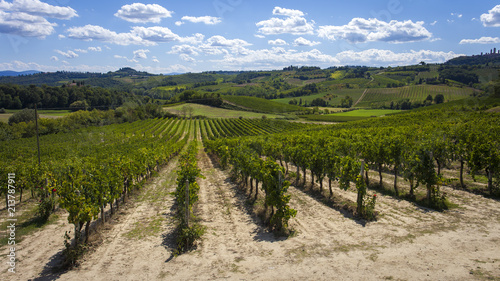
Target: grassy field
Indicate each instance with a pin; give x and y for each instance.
(378, 97)
(262, 105)
(4, 117)
(341, 93)
(350, 115)
(214, 112)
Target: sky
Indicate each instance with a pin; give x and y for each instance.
(210, 35)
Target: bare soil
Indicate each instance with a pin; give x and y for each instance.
(407, 242)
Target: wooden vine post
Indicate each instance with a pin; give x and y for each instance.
(187, 203)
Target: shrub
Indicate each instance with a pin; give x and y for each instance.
(25, 115)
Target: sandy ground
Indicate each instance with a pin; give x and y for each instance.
(407, 242)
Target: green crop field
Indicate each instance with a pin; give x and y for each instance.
(352, 115)
(341, 93)
(215, 112)
(4, 117)
(262, 105)
(378, 97)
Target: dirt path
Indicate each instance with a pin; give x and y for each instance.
(37, 253)
(406, 243)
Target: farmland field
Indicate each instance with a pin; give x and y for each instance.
(353, 115)
(214, 112)
(341, 93)
(378, 97)
(139, 239)
(4, 117)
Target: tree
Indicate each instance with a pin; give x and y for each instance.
(439, 98)
(346, 102)
(79, 105)
(25, 115)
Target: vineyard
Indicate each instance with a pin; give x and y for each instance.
(377, 97)
(228, 197)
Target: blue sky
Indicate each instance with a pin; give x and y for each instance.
(196, 35)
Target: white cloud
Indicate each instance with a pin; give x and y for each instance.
(433, 23)
(274, 57)
(482, 40)
(54, 58)
(294, 23)
(125, 58)
(205, 19)
(155, 34)
(81, 51)
(387, 57)
(38, 8)
(25, 25)
(184, 49)
(278, 42)
(142, 13)
(492, 18)
(179, 23)
(94, 32)
(259, 36)
(148, 36)
(287, 12)
(220, 41)
(360, 30)
(301, 41)
(95, 49)
(155, 60)
(141, 54)
(456, 15)
(27, 18)
(187, 58)
(68, 54)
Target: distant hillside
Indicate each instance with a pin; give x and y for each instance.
(261, 105)
(489, 58)
(16, 73)
(59, 78)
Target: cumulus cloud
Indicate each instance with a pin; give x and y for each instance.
(184, 49)
(28, 18)
(220, 41)
(68, 54)
(482, 40)
(388, 57)
(187, 58)
(155, 34)
(274, 57)
(141, 54)
(54, 58)
(148, 36)
(301, 41)
(25, 25)
(95, 49)
(205, 19)
(94, 32)
(278, 42)
(293, 23)
(287, 12)
(125, 58)
(360, 30)
(38, 8)
(142, 13)
(492, 18)
(81, 51)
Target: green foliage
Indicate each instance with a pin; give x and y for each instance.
(26, 115)
(45, 207)
(189, 231)
(262, 105)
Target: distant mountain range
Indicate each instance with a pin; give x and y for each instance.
(15, 73)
